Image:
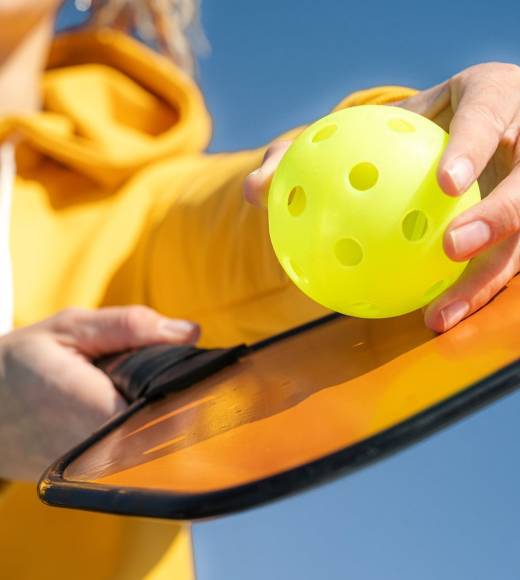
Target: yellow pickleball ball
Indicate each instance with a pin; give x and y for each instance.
(357, 217)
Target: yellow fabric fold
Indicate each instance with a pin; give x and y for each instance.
(384, 95)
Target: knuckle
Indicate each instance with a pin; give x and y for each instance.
(490, 116)
(69, 316)
(509, 218)
(490, 83)
(493, 69)
(501, 76)
(136, 319)
(510, 70)
(474, 73)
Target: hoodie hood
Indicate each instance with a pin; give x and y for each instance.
(111, 106)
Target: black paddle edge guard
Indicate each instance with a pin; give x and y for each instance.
(54, 490)
(296, 330)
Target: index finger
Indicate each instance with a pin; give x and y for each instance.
(485, 105)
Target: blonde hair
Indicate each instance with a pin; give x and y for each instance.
(171, 26)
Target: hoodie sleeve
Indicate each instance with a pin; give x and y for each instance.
(209, 257)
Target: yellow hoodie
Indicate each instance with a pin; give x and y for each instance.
(115, 202)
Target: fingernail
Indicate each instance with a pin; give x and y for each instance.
(462, 174)
(468, 238)
(177, 329)
(255, 172)
(454, 313)
(252, 190)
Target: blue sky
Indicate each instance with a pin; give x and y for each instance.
(448, 507)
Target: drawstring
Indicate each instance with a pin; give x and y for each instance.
(7, 178)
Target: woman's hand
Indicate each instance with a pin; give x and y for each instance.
(481, 109)
(51, 396)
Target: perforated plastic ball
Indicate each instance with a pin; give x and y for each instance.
(357, 217)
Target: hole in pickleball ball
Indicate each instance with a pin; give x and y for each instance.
(296, 201)
(324, 133)
(363, 176)
(415, 225)
(434, 291)
(348, 252)
(401, 126)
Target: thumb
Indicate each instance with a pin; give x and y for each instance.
(107, 330)
(256, 184)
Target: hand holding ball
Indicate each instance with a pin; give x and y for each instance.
(356, 215)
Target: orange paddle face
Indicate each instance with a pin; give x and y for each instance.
(300, 400)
